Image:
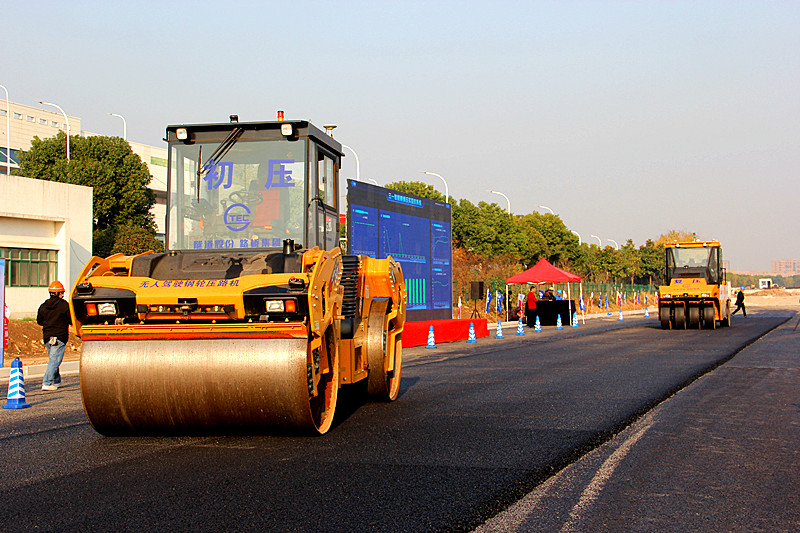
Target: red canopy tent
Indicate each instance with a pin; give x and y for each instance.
(544, 272)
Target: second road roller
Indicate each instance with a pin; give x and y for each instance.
(253, 317)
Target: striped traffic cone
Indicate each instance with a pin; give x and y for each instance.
(16, 387)
(620, 316)
(499, 334)
(575, 319)
(520, 330)
(472, 333)
(646, 313)
(431, 342)
(559, 325)
(537, 327)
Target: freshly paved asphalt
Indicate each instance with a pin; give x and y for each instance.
(476, 429)
(723, 454)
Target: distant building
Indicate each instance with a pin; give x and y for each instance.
(786, 267)
(45, 235)
(26, 122)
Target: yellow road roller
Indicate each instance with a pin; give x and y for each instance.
(253, 318)
(697, 293)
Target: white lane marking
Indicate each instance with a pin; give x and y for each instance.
(603, 475)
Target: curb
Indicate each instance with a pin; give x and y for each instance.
(37, 371)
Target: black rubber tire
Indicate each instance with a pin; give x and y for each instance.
(663, 316)
(680, 317)
(693, 321)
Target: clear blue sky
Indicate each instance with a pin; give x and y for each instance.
(628, 119)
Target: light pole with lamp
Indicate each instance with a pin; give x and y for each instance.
(504, 196)
(545, 207)
(66, 121)
(124, 126)
(358, 165)
(579, 236)
(446, 194)
(8, 134)
(615, 243)
(600, 243)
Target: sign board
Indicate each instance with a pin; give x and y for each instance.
(416, 232)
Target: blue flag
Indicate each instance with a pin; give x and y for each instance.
(645, 300)
(499, 302)
(583, 307)
(606, 300)
(488, 299)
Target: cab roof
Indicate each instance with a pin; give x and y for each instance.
(271, 129)
(692, 244)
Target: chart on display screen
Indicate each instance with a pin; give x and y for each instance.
(416, 232)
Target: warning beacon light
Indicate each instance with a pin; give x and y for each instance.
(280, 116)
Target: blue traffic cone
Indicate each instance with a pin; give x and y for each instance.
(16, 387)
(538, 326)
(559, 325)
(620, 316)
(575, 319)
(499, 334)
(472, 333)
(520, 331)
(431, 342)
(646, 313)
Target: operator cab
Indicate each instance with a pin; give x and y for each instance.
(241, 187)
(695, 260)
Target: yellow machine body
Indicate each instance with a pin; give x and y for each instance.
(226, 339)
(696, 294)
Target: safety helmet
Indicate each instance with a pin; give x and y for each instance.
(55, 286)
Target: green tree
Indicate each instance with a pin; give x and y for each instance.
(131, 240)
(560, 244)
(651, 257)
(118, 177)
(487, 229)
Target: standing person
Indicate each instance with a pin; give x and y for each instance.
(740, 304)
(530, 308)
(55, 320)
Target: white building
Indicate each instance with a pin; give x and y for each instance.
(45, 235)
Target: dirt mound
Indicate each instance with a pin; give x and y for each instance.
(25, 341)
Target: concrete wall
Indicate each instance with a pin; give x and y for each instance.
(45, 215)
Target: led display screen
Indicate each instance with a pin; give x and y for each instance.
(416, 232)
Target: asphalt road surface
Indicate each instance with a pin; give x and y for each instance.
(476, 429)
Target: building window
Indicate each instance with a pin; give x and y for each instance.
(43, 121)
(54, 124)
(29, 118)
(3, 112)
(18, 115)
(29, 268)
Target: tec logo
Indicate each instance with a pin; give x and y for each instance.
(237, 217)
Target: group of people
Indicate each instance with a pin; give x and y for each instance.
(529, 306)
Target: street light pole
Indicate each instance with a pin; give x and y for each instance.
(545, 207)
(504, 196)
(66, 121)
(600, 243)
(615, 243)
(446, 194)
(578, 234)
(358, 166)
(8, 134)
(124, 126)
